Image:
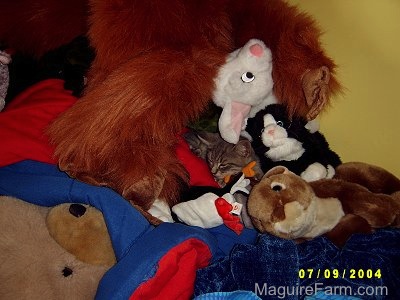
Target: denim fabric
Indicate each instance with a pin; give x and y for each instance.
(237, 295)
(276, 262)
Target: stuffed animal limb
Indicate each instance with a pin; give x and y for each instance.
(210, 210)
(161, 210)
(243, 86)
(317, 171)
(150, 169)
(374, 178)
(201, 211)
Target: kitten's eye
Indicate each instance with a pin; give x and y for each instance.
(248, 77)
(277, 186)
(223, 167)
(280, 123)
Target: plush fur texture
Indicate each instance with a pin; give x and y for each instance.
(153, 72)
(35, 27)
(293, 36)
(278, 140)
(153, 82)
(243, 86)
(81, 230)
(336, 207)
(303, 74)
(33, 265)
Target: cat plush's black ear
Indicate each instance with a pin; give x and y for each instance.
(243, 148)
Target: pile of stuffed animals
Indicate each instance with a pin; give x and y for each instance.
(157, 66)
(154, 72)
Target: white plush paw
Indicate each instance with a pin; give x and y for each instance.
(312, 126)
(241, 185)
(161, 210)
(199, 212)
(314, 172)
(331, 172)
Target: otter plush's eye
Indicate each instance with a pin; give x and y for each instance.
(277, 186)
(248, 77)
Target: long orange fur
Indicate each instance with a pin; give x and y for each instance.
(153, 72)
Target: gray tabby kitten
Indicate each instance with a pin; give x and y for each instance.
(223, 158)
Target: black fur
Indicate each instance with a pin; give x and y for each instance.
(69, 62)
(315, 145)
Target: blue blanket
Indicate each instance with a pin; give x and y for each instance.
(268, 266)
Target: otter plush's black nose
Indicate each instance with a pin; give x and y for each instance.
(77, 210)
(277, 188)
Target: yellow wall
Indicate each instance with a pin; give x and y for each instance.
(363, 37)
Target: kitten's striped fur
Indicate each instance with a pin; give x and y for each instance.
(223, 158)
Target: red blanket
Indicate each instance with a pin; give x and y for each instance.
(24, 121)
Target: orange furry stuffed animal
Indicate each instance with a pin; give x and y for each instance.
(153, 72)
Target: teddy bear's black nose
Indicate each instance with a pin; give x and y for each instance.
(77, 210)
(67, 272)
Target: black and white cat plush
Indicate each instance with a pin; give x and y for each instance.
(277, 140)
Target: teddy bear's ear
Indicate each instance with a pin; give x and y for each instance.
(277, 171)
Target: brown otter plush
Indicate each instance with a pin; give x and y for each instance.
(34, 265)
(285, 205)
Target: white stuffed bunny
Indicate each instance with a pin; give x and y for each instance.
(243, 87)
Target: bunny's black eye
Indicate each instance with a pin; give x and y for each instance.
(248, 77)
(280, 123)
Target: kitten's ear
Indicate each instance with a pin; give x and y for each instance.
(243, 148)
(208, 138)
(192, 139)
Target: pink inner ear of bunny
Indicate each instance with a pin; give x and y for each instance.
(256, 50)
